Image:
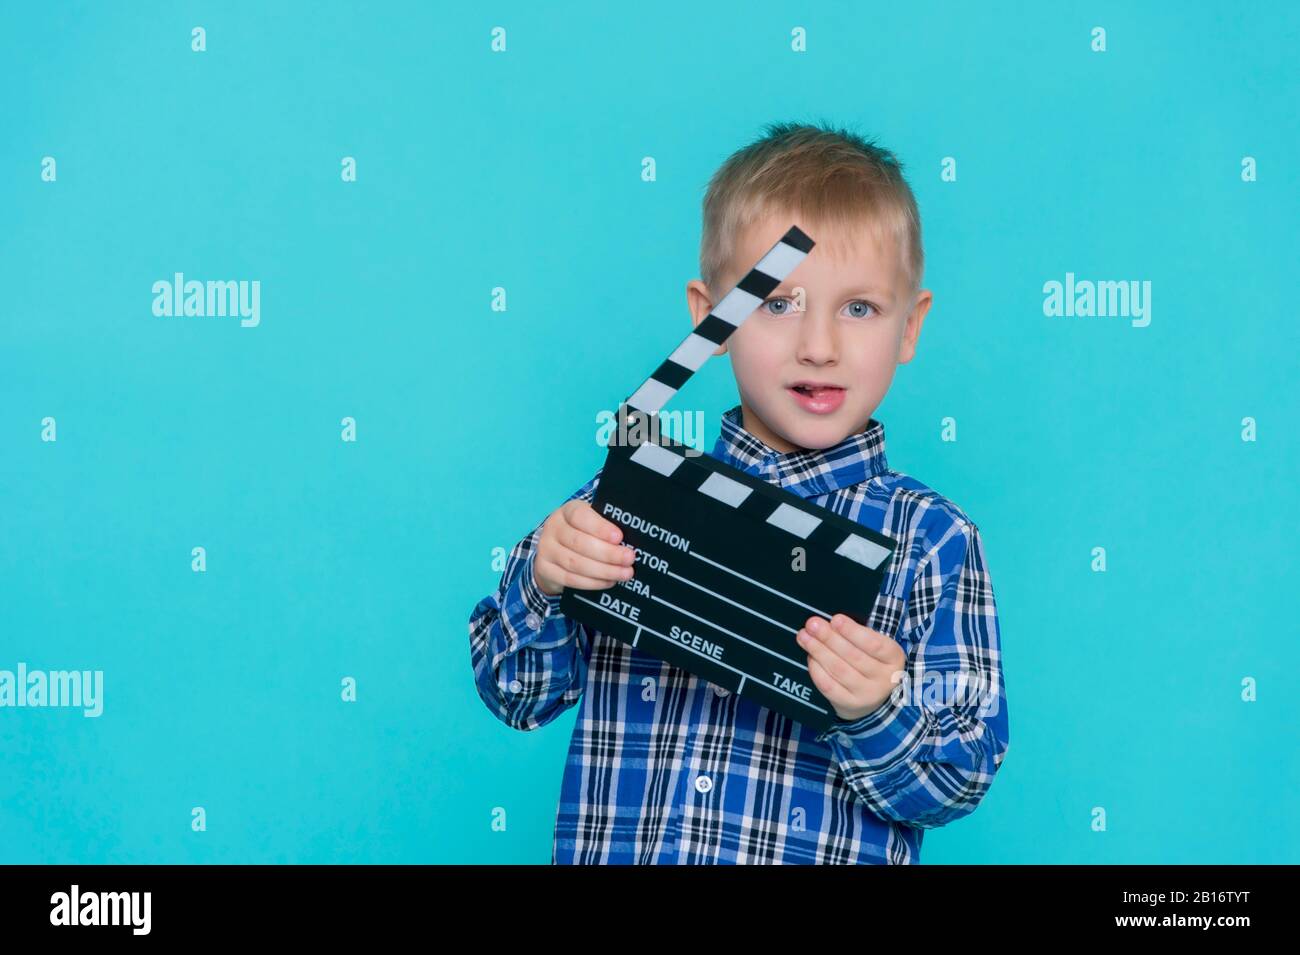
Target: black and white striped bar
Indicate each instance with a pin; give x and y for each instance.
(736, 306)
(729, 566)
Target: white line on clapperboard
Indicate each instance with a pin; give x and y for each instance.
(793, 600)
(715, 626)
(743, 675)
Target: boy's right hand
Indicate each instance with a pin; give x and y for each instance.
(578, 548)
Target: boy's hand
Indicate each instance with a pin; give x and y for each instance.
(852, 665)
(579, 548)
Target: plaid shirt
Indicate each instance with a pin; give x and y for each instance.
(664, 767)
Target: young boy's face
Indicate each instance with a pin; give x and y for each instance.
(858, 324)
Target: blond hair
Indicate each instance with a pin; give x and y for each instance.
(833, 179)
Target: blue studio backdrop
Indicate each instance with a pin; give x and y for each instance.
(265, 531)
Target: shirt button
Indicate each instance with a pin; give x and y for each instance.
(719, 690)
(533, 622)
(515, 686)
(703, 784)
(843, 738)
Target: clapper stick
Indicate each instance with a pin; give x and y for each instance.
(728, 566)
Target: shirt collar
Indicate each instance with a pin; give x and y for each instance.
(809, 472)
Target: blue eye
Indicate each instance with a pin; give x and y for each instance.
(778, 298)
(787, 307)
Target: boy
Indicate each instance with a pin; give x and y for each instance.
(665, 767)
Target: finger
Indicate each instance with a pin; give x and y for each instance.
(576, 581)
(871, 642)
(831, 688)
(616, 555)
(832, 663)
(845, 648)
(571, 561)
(585, 518)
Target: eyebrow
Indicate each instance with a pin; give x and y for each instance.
(871, 291)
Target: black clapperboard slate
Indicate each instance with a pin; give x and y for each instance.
(719, 588)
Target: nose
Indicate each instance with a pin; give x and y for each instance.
(818, 338)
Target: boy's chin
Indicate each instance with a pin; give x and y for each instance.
(816, 435)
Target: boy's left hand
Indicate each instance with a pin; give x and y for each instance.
(852, 665)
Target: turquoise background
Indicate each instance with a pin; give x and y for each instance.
(476, 170)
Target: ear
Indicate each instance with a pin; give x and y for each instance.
(700, 303)
(912, 330)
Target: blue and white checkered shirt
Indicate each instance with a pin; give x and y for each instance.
(664, 767)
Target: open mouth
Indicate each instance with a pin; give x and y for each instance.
(819, 399)
(813, 390)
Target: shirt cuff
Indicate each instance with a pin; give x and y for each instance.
(535, 599)
(530, 616)
(879, 740)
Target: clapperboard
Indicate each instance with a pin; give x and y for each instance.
(719, 588)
